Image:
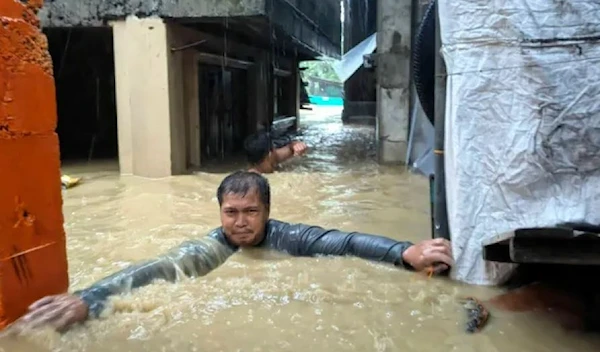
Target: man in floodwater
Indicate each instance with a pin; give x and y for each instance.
(244, 200)
(265, 153)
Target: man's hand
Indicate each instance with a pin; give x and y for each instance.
(299, 148)
(435, 253)
(59, 312)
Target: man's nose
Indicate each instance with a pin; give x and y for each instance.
(241, 220)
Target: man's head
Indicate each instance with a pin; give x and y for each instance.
(259, 151)
(245, 200)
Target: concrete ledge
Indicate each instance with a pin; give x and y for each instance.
(94, 13)
(307, 32)
(550, 245)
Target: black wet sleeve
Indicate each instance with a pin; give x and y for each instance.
(305, 240)
(281, 142)
(280, 139)
(191, 259)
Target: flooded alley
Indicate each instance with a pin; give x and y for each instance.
(260, 301)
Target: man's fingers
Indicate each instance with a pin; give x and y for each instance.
(438, 257)
(42, 302)
(438, 249)
(42, 315)
(442, 243)
(439, 240)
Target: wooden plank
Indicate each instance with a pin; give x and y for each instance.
(219, 60)
(545, 232)
(582, 251)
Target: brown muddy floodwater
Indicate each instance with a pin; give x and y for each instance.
(259, 301)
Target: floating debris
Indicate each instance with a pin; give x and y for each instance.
(69, 182)
(477, 314)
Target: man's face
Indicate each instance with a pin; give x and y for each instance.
(244, 218)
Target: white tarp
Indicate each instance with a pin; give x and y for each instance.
(353, 59)
(522, 121)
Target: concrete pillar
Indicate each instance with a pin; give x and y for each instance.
(393, 79)
(144, 97)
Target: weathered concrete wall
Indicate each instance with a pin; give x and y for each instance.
(69, 13)
(32, 238)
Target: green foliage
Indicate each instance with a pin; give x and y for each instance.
(320, 69)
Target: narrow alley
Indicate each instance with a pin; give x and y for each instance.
(279, 303)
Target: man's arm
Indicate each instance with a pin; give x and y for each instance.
(289, 151)
(305, 240)
(284, 153)
(191, 259)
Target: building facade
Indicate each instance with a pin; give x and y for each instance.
(170, 85)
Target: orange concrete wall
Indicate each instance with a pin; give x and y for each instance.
(33, 261)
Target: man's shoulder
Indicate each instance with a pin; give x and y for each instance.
(217, 234)
(274, 225)
(278, 226)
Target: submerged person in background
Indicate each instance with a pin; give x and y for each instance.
(265, 153)
(245, 201)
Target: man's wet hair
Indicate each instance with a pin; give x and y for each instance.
(257, 147)
(242, 182)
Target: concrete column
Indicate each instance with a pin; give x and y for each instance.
(143, 96)
(393, 79)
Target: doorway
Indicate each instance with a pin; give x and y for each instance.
(223, 111)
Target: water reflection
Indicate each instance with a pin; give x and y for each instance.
(262, 301)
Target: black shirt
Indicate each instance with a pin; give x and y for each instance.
(198, 258)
